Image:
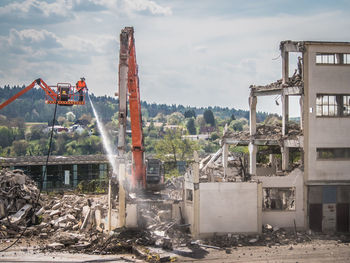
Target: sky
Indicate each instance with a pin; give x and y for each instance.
(189, 52)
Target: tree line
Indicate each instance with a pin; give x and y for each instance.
(31, 106)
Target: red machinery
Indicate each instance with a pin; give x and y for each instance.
(63, 94)
(145, 174)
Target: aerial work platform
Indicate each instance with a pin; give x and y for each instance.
(63, 94)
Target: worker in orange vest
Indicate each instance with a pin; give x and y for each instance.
(81, 85)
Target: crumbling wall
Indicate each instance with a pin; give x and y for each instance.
(229, 208)
(285, 218)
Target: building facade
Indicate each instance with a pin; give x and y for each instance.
(326, 134)
(317, 195)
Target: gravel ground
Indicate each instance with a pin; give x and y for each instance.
(314, 251)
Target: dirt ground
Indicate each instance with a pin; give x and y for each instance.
(313, 251)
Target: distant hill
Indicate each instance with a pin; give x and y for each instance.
(31, 106)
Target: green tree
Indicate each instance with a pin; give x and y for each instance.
(160, 117)
(175, 118)
(209, 117)
(70, 116)
(20, 147)
(236, 125)
(173, 148)
(61, 120)
(6, 136)
(191, 127)
(190, 113)
(36, 132)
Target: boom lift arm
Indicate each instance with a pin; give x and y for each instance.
(64, 95)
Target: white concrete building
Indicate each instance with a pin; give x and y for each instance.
(322, 82)
(326, 137)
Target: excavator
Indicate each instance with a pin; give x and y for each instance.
(64, 94)
(147, 174)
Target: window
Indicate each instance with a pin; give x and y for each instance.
(333, 153)
(189, 195)
(279, 199)
(332, 58)
(332, 105)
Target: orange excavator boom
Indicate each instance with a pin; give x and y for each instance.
(146, 174)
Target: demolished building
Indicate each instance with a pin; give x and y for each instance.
(313, 192)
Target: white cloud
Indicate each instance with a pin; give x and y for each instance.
(35, 11)
(146, 6)
(183, 59)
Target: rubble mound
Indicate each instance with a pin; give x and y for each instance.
(266, 131)
(18, 197)
(271, 236)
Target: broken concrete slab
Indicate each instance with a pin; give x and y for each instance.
(56, 246)
(20, 214)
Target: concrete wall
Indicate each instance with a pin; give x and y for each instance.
(286, 218)
(188, 212)
(229, 208)
(325, 131)
(265, 171)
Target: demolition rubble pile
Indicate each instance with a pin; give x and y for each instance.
(18, 199)
(271, 236)
(79, 223)
(293, 81)
(266, 132)
(212, 170)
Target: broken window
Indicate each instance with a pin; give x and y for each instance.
(332, 105)
(189, 195)
(332, 58)
(279, 199)
(333, 153)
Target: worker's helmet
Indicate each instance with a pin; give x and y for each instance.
(82, 79)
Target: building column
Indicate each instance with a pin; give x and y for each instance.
(285, 158)
(285, 66)
(75, 175)
(252, 129)
(122, 199)
(285, 113)
(44, 177)
(252, 114)
(225, 158)
(253, 149)
(284, 98)
(301, 103)
(196, 196)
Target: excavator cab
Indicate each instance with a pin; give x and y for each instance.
(154, 174)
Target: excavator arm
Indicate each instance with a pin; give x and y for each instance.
(129, 84)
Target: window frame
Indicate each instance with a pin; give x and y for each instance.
(335, 58)
(340, 105)
(332, 151)
(290, 188)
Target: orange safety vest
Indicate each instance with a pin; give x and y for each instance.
(81, 85)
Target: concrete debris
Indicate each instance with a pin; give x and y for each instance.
(269, 237)
(174, 187)
(293, 81)
(55, 245)
(18, 197)
(14, 219)
(267, 132)
(214, 172)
